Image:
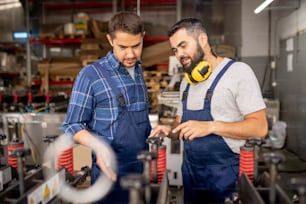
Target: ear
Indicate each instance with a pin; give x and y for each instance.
(203, 39)
(110, 39)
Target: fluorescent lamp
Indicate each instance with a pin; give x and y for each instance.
(20, 35)
(262, 6)
(6, 6)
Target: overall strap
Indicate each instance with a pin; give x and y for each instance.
(112, 84)
(185, 93)
(210, 91)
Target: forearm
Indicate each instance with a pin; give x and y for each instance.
(239, 130)
(83, 137)
(253, 125)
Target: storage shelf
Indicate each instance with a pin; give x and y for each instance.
(66, 41)
(55, 6)
(57, 41)
(4, 74)
(39, 82)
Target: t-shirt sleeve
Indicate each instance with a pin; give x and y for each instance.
(249, 97)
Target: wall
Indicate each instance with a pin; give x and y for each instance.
(290, 77)
(288, 27)
(254, 28)
(11, 20)
(294, 23)
(254, 48)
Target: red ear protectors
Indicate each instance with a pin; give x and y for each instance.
(199, 73)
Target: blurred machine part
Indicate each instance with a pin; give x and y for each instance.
(273, 107)
(5, 176)
(272, 176)
(32, 129)
(168, 100)
(174, 161)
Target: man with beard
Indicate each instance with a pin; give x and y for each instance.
(216, 115)
(109, 98)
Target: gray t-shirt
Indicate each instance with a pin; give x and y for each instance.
(236, 94)
(131, 71)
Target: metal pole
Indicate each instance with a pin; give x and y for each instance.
(114, 6)
(28, 48)
(138, 7)
(20, 173)
(178, 10)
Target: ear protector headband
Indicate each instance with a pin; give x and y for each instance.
(199, 73)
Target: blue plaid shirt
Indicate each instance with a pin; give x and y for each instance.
(94, 106)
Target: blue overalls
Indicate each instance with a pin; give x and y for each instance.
(210, 168)
(133, 129)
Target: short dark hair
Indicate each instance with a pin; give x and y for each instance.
(125, 21)
(192, 25)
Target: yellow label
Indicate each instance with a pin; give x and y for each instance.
(32, 201)
(46, 192)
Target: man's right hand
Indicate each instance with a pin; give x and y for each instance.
(106, 168)
(161, 131)
(104, 153)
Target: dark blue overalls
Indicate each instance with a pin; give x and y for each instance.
(133, 129)
(210, 168)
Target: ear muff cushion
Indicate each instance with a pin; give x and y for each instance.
(202, 71)
(189, 78)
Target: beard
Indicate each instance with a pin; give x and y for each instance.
(195, 59)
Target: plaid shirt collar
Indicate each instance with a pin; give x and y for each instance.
(115, 64)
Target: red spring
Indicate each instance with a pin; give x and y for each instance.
(12, 161)
(161, 164)
(246, 162)
(65, 160)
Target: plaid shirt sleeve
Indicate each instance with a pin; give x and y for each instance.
(80, 107)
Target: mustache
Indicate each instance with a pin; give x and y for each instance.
(183, 58)
(189, 68)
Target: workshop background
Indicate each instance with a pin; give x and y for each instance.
(45, 43)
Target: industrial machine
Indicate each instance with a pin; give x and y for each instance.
(26, 139)
(264, 177)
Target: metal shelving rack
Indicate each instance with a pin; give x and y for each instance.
(79, 5)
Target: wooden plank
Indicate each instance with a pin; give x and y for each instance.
(156, 54)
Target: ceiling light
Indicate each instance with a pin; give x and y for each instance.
(262, 6)
(10, 6)
(8, 1)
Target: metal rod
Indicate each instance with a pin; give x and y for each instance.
(28, 48)
(272, 194)
(20, 174)
(138, 7)
(178, 10)
(147, 168)
(115, 6)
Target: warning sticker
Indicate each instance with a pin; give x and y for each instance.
(46, 192)
(43, 193)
